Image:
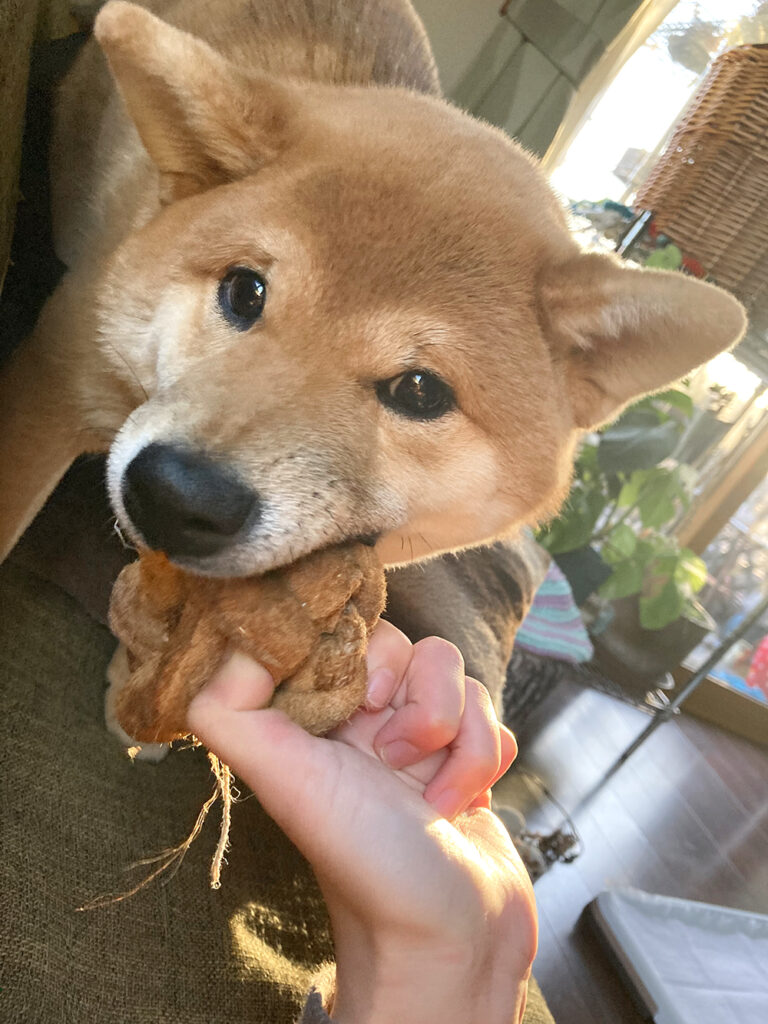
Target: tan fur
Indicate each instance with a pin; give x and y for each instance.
(309, 141)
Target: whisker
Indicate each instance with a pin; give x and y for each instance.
(123, 541)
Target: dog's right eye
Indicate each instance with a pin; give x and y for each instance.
(242, 294)
(418, 395)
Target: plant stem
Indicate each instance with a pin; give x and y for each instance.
(612, 526)
(607, 525)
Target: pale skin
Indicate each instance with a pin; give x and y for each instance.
(432, 912)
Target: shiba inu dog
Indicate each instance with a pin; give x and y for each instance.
(310, 300)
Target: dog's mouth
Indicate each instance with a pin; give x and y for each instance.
(234, 563)
(200, 513)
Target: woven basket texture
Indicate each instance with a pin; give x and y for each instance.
(709, 189)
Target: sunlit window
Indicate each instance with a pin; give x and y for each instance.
(629, 125)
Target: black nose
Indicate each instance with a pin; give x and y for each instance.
(184, 503)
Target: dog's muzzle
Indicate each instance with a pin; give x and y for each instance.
(185, 503)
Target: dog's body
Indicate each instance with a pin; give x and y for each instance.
(432, 342)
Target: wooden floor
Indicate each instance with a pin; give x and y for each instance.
(687, 815)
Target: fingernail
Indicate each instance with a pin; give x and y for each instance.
(448, 803)
(380, 686)
(399, 754)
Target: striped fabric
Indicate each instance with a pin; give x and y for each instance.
(553, 626)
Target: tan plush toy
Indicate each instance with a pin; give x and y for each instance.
(308, 624)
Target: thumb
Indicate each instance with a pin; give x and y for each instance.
(272, 754)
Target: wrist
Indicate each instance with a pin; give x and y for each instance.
(426, 983)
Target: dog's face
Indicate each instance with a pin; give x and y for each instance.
(350, 335)
(361, 315)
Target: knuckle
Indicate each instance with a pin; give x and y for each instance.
(475, 771)
(481, 695)
(486, 765)
(385, 628)
(387, 638)
(510, 744)
(450, 656)
(441, 730)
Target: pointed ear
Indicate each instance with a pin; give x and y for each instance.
(202, 121)
(620, 333)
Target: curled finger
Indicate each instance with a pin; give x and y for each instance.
(431, 705)
(475, 757)
(508, 751)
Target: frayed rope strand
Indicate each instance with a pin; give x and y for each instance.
(170, 859)
(223, 775)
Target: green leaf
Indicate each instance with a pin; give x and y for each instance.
(630, 492)
(666, 606)
(657, 504)
(645, 551)
(575, 526)
(679, 399)
(625, 447)
(667, 258)
(626, 579)
(659, 572)
(656, 512)
(642, 414)
(619, 544)
(667, 559)
(587, 458)
(613, 484)
(649, 408)
(573, 529)
(691, 571)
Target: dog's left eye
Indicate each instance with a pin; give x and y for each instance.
(242, 294)
(418, 394)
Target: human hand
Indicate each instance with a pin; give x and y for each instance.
(433, 920)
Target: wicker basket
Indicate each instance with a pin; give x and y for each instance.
(709, 189)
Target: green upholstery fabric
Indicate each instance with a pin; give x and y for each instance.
(21, 21)
(75, 813)
(17, 18)
(536, 1009)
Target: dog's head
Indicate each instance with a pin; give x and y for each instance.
(359, 313)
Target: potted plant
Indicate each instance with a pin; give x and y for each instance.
(612, 538)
